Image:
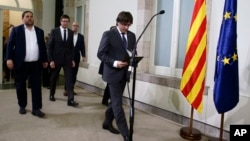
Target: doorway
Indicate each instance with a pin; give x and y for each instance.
(10, 18)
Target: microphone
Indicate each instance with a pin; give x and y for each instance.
(132, 59)
(161, 12)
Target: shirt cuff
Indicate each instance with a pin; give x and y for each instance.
(115, 64)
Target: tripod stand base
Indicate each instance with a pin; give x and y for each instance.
(186, 134)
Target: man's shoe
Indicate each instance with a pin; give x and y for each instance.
(52, 98)
(110, 128)
(38, 113)
(22, 111)
(74, 93)
(72, 103)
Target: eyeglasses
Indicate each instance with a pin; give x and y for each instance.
(65, 21)
(125, 24)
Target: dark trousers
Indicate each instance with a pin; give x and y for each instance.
(74, 75)
(115, 109)
(67, 68)
(106, 95)
(46, 77)
(33, 71)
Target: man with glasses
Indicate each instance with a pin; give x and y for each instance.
(79, 47)
(61, 55)
(114, 51)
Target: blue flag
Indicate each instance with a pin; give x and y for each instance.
(226, 79)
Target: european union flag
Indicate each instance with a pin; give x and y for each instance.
(226, 85)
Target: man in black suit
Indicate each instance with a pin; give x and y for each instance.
(26, 54)
(106, 95)
(115, 46)
(79, 46)
(61, 55)
(46, 71)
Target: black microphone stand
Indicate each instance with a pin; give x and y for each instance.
(133, 62)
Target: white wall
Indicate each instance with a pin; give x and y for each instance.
(244, 47)
(102, 15)
(48, 15)
(239, 114)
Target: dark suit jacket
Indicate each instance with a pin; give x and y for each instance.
(110, 50)
(58, 51)
(79, 48)
(16, 46)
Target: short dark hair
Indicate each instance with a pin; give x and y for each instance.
(64, 17)
(124, 17)
(24, 12)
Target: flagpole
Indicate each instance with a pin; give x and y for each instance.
(190, 133)
(221, 126)
(221, 131)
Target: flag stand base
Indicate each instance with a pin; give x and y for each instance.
(190, 135)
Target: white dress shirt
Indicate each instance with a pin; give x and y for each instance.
(62, 32)
(75, 39)
(32, 50)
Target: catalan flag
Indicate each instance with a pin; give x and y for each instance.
(226, 79)
(194, 69)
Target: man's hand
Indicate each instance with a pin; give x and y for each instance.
(83, 59)
(52, 64)
(10, 64)
(45, 64)
(121, 64)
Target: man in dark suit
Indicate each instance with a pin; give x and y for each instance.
(26, 54)
(61, 55)
(46, 71)
(114, 50)
(106, 95)
(79, 46)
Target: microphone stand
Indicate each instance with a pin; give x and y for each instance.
(134, 62)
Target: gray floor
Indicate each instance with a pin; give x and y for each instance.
(64, 123)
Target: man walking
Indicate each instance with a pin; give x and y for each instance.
(26, 54)
(79, 47)
(61, 55)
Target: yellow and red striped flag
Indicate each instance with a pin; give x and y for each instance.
(194, 69)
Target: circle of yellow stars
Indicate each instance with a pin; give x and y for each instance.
(226, 60)
(234, 57)
(228, 16)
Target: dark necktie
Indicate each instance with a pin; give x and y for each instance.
(124, 41)
(64, 35)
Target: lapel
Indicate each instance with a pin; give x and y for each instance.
(130, 42)
(118, 35)
(59, 36)
(37, 34)
(23, 38)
